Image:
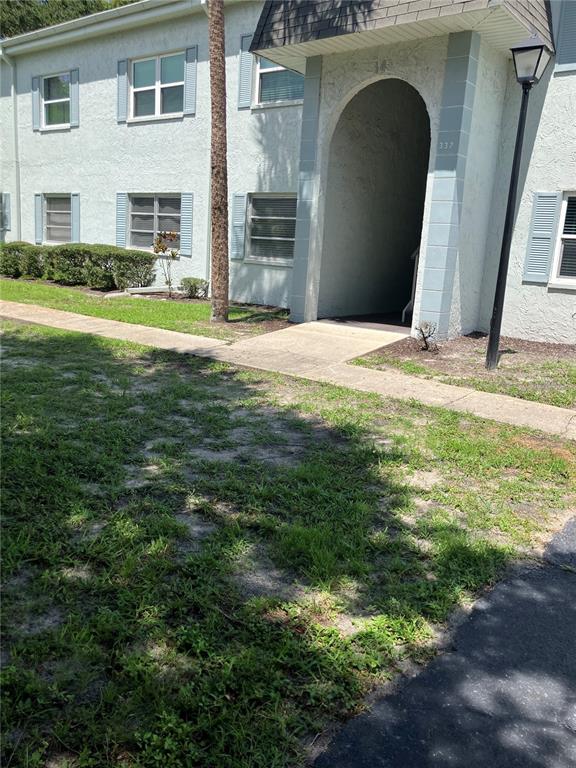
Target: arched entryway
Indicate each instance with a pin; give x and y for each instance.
(376, 185)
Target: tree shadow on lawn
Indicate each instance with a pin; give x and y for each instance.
(140, 490)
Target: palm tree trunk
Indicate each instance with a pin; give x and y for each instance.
(218, 164)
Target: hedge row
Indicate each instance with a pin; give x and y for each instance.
(104, 267)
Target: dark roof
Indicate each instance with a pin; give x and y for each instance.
(288, 22)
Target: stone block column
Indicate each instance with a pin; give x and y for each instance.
(306, 267)
(441, 255)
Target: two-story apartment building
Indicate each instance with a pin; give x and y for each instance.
(370, 148)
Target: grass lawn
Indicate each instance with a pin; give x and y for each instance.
(187, 317)
(545, 373)
(207, 566)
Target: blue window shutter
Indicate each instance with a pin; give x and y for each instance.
(75, 208)
(190, 80)
(542, 237)
(121, 218)
(245, 73)
(122, 81)
(74, 98)
(566, 37)
(238, 236)
(35, 103)
(38, 219)
(186, 221)
(6, 218)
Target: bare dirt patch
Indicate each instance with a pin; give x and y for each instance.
(426, 480)
(197, 530)
(257, 576)
(77, 573)
(139, 477)
(41, 622)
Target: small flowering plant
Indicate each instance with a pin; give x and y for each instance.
(163, 246)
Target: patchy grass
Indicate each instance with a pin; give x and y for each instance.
(205, 566)
(545, 373)
(184, 316)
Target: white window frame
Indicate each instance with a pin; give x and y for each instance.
(156, 197)
(44, 101)
(45, 213)
(272, 260)
(556, 280)
(266, 70)
(157, 88)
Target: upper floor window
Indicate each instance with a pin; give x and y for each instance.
(151, 214)
(278, 84)
(564, 267)
(157, 86)
(57, 219)
(56, 100)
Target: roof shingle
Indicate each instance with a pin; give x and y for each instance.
(288, 22)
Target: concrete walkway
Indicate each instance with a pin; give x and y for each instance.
(504, 694)
(317, 351)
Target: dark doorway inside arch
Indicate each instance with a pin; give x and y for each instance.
(376, 186)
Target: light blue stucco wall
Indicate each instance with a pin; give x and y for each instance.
(102, 157)
(538, 312)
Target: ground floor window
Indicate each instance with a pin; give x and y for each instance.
(151, 214)
(565, 261)
(272, 223)
(58, 219)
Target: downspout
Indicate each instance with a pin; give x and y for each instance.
(12, 64)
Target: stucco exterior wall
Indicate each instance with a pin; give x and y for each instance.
(421, 64)
(7, 147)
(375, 199)
(537, 312)
(102, 157)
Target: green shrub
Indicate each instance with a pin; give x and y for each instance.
(66, 263)
(32, 261)
(11, 259)
(99, 267)
(21, 260)
(104, 267)
(133, 269)
(194, 287)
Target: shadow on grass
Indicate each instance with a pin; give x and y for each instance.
(137, 486)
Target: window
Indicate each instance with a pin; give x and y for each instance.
(272, 227)
(158, 86)
(151, 214)
(56, 100)
(564, 268)
(58, 219)
(278, 84)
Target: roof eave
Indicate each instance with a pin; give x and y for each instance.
(496, 24)
(102, 23)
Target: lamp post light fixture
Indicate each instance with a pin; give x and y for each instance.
(531, 58)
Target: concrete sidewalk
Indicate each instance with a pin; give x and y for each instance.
(502, 696)
(316, 351)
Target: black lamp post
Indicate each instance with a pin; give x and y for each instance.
(530, 60)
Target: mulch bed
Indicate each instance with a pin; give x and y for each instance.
(464, 356)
